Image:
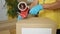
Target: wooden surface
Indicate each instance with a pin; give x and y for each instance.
(5, 32)
(8, 24)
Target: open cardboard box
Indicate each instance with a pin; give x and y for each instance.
(36, 26)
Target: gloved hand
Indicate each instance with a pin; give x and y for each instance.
(36, 9)
(19, 18)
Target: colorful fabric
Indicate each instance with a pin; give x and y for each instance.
(24, 13)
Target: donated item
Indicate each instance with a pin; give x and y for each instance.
(35, 25)
(22, 6)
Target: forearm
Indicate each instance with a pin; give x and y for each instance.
(33, 3)
(52, 6)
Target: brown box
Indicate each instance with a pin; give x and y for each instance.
(35, 23)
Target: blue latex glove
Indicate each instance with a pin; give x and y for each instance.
(19, 18)
(36, 9)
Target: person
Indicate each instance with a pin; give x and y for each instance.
(51, 9)
(53, 6)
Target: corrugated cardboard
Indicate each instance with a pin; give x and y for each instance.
(35, 23)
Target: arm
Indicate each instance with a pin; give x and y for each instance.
(53, 6)
(35, 2)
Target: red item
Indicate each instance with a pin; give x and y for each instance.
(24, 13)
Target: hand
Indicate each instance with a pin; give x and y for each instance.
(46, 6)
(35, 9)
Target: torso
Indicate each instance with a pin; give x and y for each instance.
(51, 14)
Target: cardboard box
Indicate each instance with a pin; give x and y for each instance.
(36, 26)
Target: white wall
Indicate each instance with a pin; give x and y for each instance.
(3, 11)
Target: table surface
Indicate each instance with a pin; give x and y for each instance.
(8, 24)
